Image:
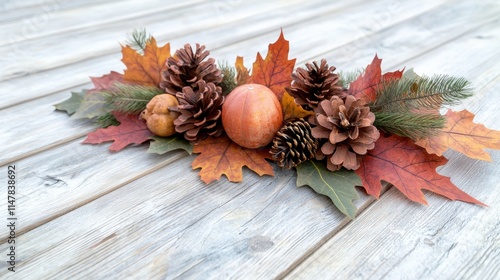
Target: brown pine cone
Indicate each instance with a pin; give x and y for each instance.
(186, 68)
(347, 125)
(317, 83)
(293, 144)
(201, 111)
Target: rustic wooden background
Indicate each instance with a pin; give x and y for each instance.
(86, 213)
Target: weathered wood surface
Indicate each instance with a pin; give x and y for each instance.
(87, 213)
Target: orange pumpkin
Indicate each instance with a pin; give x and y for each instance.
(251, 115)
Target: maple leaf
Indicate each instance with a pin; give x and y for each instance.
(107, 81)
(397, 160)
(161, 145)
(220, 156)
(242, 73)
(339, 186)
(92, 105)
(275, 72)
(292, 110)
(145, 69)
(366, 85)
(131, 130)
(463, 135)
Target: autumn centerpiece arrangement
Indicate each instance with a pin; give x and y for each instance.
(337, 131)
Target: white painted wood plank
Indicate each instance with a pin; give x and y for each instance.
(34, 129)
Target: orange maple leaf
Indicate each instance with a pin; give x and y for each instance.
(220, 156)
(292, 110)
(366, 85)
(397, 160)
(145, 69)
(275, 72)
(463, 135)
(242, 73)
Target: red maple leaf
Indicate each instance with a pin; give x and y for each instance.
(131, 130)
(275, 72)
(107, 81)
(397, 160)
(366, 85)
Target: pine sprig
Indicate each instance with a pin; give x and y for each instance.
(412, 125)
(346, 78)
(130, 99)
(228, 78)
(408, 94)
(138, 40)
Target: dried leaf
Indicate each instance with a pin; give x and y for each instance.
(93, 105)
(409, 168)
(275, 72)
(366, 85)
(220, 156)
(107, 81)
(292, 110)
(242, 73)
(145, 69)
(161, 145)
(131, 130)
(463, 135)
(71, 104)
(339, 186)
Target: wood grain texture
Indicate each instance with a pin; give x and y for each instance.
(89, 213)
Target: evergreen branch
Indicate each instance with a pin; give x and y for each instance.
(414, 126)
(408, 94)
(107, 120)
(228, 78)
(129, 99)
(346, 78)
(138, 40)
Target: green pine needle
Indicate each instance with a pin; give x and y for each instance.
(412, 125)
(107, 120)
(346, 78)
(130, 99)
(228, 78)
(408, 94)
(138, 40)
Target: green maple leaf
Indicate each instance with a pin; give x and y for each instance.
(339, 186)
(94, 104)
(161, 145)
(71, 104)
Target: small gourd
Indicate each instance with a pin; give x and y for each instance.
(159, 119)
(251, 115)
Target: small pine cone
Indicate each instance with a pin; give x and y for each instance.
(186, 68)
(201, 111)
(293, 144)
(317, 83)
(347, 125)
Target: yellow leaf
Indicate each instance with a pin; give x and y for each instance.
(292, 110)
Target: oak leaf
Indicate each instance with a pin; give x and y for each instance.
(71, 104)
(397, 160)
(161, 145)
(366, 85)
(220, 156)
(339, 186)
(292, 110)
(145, 69)
(131, 130)
(275, 72)
(463, 135)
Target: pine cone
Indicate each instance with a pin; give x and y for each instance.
(186, 68)
(201, 111)
(293, 144)
(348, 126)
(317, 83)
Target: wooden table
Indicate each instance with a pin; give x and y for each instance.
(86, 213)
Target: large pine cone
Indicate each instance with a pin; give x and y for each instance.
(317, 83)
(201, 111)
(186, 68)
(293, 144)
(348, 127)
